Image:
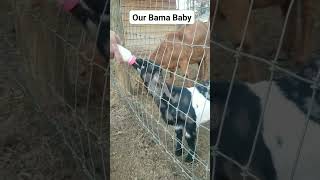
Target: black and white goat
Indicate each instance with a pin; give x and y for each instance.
(282, 128)
(91, 13)
(185, 108)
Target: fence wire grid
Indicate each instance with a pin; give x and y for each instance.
(73, 80)
(82, 121)
(142, 40)
(71, 102)
(274, 68)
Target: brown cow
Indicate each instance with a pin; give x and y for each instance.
(297, 43)
(184, 47)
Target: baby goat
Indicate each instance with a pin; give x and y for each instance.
(185, 108)
(183, 47)
(282, 129)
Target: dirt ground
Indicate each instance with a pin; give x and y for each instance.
(139, 121)
(134, 155)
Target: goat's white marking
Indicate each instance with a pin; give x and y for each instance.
(201, 106)
(178, 127)
(156, 77)
(188, 135)
(283, 119)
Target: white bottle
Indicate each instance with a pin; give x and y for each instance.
(126, 55)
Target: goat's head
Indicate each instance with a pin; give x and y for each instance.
(151, 75)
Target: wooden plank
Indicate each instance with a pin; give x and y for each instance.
(120, 69)
(43, 58)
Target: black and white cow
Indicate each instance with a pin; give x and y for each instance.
(185, 108)
(282, 128)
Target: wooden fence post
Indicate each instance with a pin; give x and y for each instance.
(44, 68)
(117, 25)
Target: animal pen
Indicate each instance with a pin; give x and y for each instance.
(142, 40)
(59, 69)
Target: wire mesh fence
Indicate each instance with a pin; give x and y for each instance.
(246, 165)
(67, 72)
(145, 41)
(61, 67)
(66, 78)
